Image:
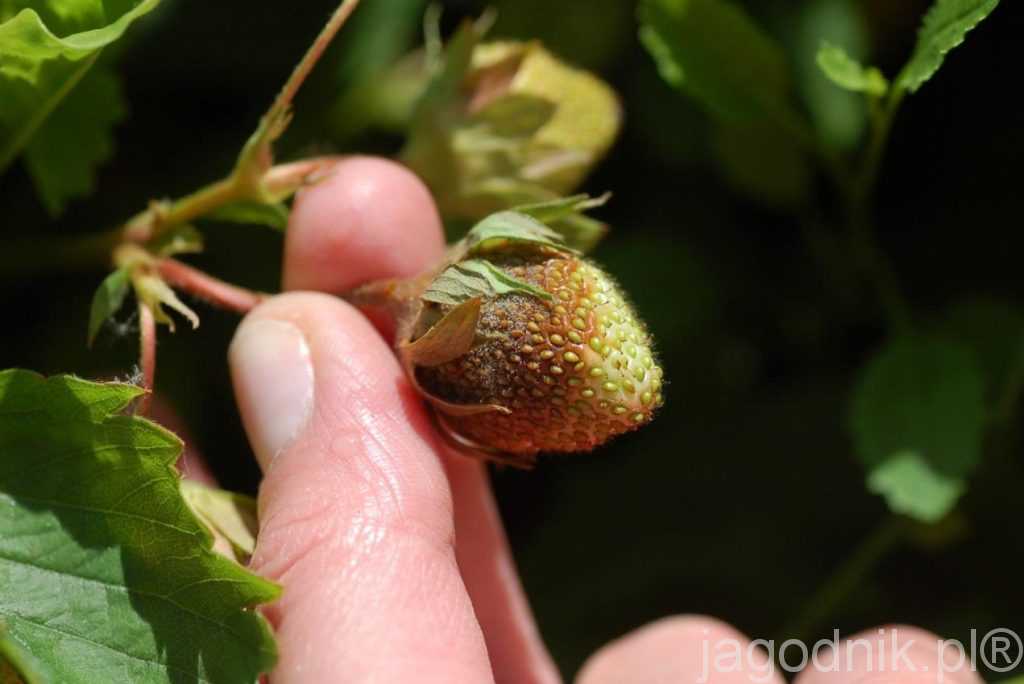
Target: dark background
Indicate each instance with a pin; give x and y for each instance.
(743, 496)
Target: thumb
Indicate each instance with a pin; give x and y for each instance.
(355, 509)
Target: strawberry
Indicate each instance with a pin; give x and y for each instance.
(522, 345)
(573, 370)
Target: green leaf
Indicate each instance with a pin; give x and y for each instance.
(912, 487)
(944, 27)
(38, 70)
(105, 574)
(565, 216)
(511, 227)
(273, 215)
(919, 404)
(107, 301)
(556, 209)
(230, 517)
(712, 50)
(473, 278)
(63, 155)
(848, 73)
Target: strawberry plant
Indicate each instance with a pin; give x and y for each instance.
(520, 342)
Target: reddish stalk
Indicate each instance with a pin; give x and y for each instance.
(147, 356)
(213, 290)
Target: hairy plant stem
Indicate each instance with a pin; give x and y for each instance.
(850, 574)
(147, 356)
(213, 290)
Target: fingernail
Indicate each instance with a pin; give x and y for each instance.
(273, 376)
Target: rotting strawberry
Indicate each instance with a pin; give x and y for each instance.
(522, 345)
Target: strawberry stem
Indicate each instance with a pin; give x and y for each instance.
(204, 286)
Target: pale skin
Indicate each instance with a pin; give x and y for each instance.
(393, 559)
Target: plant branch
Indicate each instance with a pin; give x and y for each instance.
(206, 287)
(859, 193)
(845, 579)
(147, 356)
(255, 157)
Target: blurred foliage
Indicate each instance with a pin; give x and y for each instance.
(747, 492)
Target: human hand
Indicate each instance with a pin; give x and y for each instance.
(390, 549)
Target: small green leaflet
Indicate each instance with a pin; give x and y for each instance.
(105, 573)
(840, 116)
(919, 406)
(107, 301)
(272, 215)
(556, 209)
(912, 487)
(944, 27)
(564, 215)
(476, 278)
(230, 517)
(715, 52)
(847, 73)
(39, 75)
(504, 227)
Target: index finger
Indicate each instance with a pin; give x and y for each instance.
(368, 219)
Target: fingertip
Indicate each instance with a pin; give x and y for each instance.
(678, 649)
(370, 218)
(893, 654)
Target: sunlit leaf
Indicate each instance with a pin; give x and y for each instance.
(105, 574)
(476, 278)
(944, 27)
(39, 72)
(919, 404)
(504, 227)
(64, 153)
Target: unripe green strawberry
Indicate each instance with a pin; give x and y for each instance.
(523, 346)
(573, 370)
